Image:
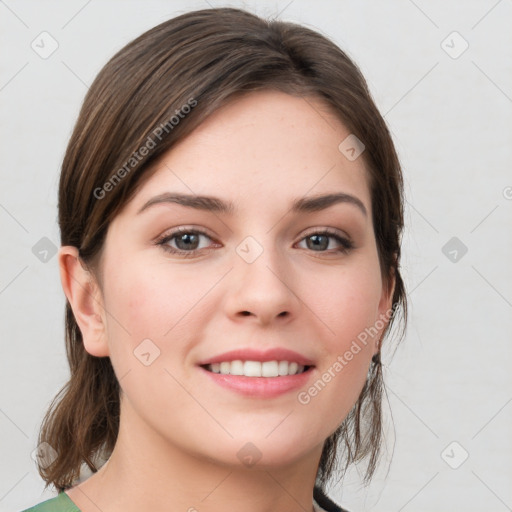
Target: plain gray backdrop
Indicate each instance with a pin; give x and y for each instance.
(441, 74)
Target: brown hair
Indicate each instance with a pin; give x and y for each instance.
(202, 59)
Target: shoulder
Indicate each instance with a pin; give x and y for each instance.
(325, 502)
(61, 503)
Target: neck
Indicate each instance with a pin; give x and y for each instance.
(147, 472)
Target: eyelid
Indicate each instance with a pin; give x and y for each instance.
(328, 230)
(171, 232)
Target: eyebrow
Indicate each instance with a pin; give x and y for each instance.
(217, 205)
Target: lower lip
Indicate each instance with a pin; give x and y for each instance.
(261, 387)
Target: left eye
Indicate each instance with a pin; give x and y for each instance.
(320, 240)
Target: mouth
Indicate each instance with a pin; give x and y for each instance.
(256, 379)
(259, 374)
(257, 368)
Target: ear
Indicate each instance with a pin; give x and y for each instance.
(385, 311)
(86, 300)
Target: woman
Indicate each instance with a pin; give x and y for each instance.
(231, 208)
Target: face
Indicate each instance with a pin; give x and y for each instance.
(185, 285)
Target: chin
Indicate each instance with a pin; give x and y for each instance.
(267, 453)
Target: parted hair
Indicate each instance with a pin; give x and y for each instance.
(204, 58)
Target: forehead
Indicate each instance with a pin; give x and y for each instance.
(263, 148)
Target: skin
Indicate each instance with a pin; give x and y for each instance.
(179, 432)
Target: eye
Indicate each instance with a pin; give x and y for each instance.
(186, 241)
(318, 241)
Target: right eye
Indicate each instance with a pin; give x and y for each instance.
(186, 241)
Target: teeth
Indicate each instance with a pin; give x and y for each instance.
(252, 369)
(270, 369)
(256, 368)
(236, 368)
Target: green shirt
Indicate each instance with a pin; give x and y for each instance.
(61, 503)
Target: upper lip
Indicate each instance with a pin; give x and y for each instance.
(249, 354)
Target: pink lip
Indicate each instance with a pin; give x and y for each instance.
(247, 354)
(260, 387)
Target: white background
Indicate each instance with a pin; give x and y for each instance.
(451, 119)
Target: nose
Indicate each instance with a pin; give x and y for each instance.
(262, 289)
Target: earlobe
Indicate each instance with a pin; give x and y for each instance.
(85, 297)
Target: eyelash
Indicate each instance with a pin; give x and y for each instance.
(346, 244)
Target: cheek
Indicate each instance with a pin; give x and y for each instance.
(148, 298)
(151, 302)
(136, 301)
(134, 306)
(147, 332)
(348, 306)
